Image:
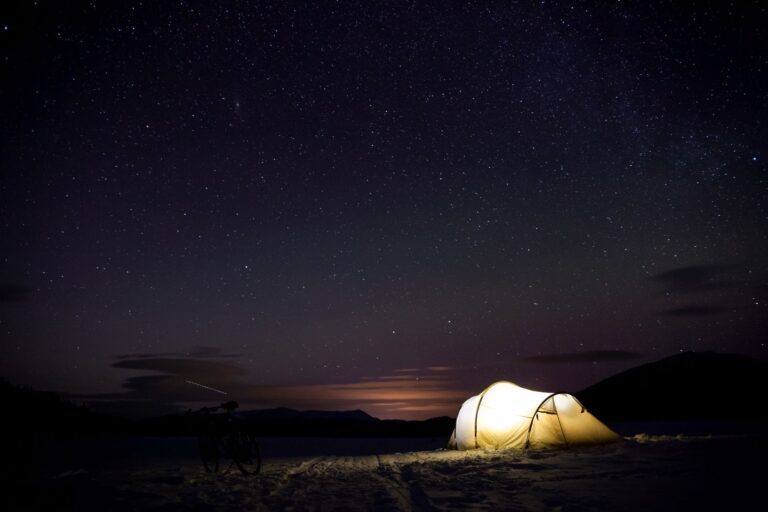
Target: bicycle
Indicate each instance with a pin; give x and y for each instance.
(225, 435)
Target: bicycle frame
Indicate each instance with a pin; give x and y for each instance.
(224, 435)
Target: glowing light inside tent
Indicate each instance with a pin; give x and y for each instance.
(566, 405)
(495, 420)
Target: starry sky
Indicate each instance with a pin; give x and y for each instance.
(381, 205)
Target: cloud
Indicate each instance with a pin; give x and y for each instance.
(188, 368)
(695, 310)
(171, 386)
(702, 278)
(731, 283)
(146, 355)
(201, 352)
(12, 292)
(411, 394)
(695, 278)
(391, 377)
(417, 397)
(586, 357)
(426, 369)
(204, 351)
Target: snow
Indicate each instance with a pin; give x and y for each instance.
(643, 472)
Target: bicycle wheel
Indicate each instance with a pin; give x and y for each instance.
(209, 453)
(246, 454)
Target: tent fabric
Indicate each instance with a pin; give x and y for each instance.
(506, 415)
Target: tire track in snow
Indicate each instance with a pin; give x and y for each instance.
(285, 481)
(402, 487)
(341, 481)
(368, 482)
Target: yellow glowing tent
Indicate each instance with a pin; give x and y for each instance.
(508, 416)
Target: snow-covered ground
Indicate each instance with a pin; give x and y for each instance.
(642, 473)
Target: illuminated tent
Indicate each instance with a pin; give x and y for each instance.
(508, 416)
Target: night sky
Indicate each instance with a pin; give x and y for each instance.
(377, 205)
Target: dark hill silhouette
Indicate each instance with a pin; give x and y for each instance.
(29, 411)
(688, 386)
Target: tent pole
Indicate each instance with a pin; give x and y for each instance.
(477, 411)
(533, 417)
(557, 415)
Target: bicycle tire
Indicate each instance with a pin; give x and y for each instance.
(247, 454)
(209, 453)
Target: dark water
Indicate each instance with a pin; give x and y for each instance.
(49, 456)
(53, 456)
(46, 455)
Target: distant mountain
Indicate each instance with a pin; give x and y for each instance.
(285, 413)
(282, 422)
(290, 422)
(40, 412)
(688, 386)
